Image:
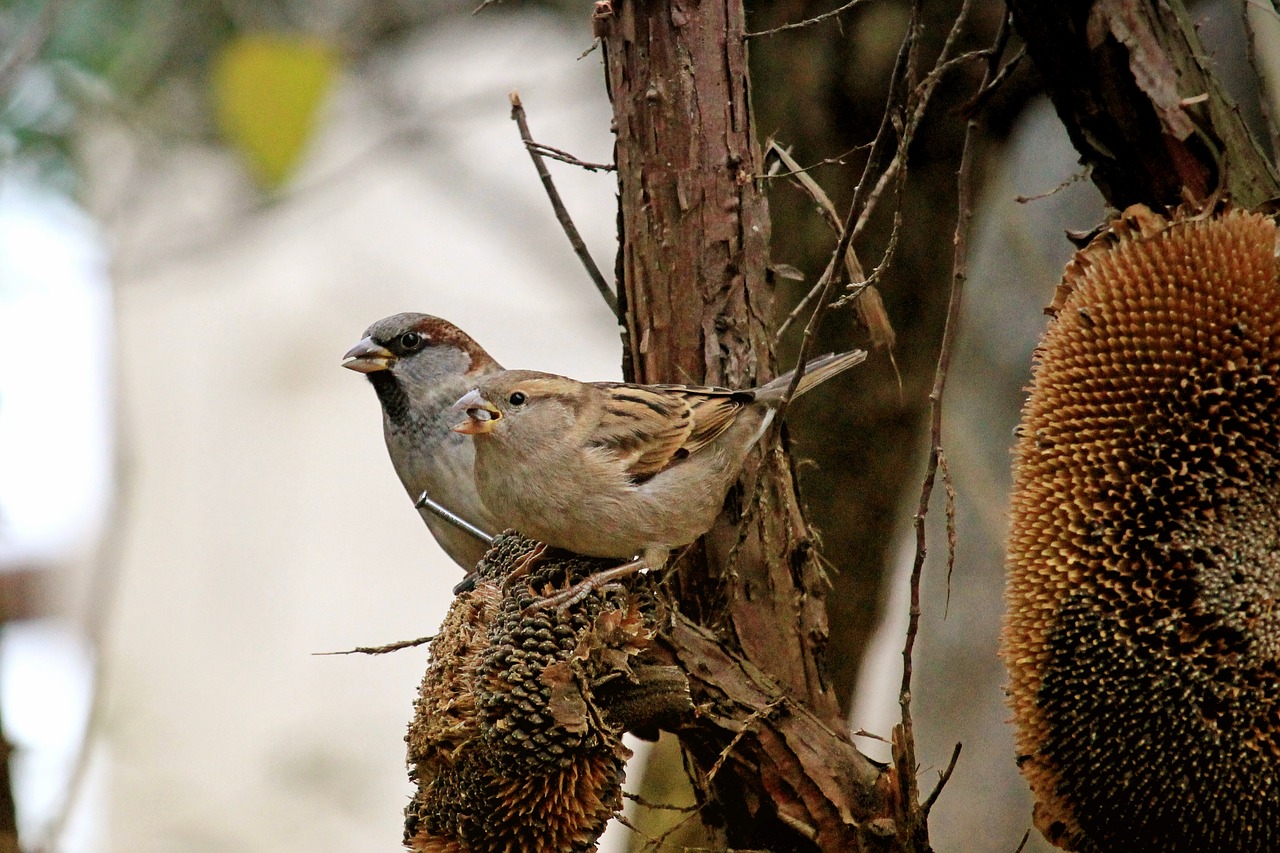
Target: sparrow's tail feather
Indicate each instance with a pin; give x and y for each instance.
(816, 372)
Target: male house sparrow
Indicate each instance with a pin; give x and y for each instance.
(419, 365)
(608, 469)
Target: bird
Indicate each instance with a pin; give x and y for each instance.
(419, 365)
(618, 470)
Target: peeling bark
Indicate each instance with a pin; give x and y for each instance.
(1130, 82)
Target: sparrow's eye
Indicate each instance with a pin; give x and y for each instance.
(412, 340)
(517, 399)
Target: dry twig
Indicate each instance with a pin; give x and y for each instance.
(831, 276)
(381, 650)
(565, 157)
(808, 22)
(562, 214)
(958, 276)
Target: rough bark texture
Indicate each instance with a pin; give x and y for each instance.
(694, 255)
(693, 273)
(1129, 81)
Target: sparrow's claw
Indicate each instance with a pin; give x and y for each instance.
(591, 583)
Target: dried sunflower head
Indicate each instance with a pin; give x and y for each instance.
(1142, 632)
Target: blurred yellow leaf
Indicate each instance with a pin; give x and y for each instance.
(267, 90)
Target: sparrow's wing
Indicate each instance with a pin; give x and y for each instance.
(714, 411)
(653, 427)
(644, 428)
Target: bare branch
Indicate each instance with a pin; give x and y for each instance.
(830, 278)
(773, 149)
(958, 276)
(381, 650)
(943, 778)
(1083, 174)
(562, 214)
(808, 22)
(996, 82)
(949, 490)
(566, 157)
(904, 751)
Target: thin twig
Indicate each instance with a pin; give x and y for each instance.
(808, 22)
(566, 157)
(829, 215)
(665, 807)
(381, 650)
(854, 289)
(949, 491)
(1026, 836)
(1074, 179)
(903, 751)
(831, 276)
(958, 276)
(772, 148)
(980, 99)
(943, 778)
(562, 214)
(622, 819)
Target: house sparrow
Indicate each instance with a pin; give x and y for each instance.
(608, 469)
(419, 365)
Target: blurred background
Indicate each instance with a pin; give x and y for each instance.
(202, 206)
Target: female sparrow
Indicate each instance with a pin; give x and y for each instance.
(608, 469)
(419, 365)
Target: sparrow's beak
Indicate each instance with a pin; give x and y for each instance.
(368, 357)
(481, 415)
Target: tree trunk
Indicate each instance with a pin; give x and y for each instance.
(697, 297)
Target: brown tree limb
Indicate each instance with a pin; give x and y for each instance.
(1130, 81)
(565, 157)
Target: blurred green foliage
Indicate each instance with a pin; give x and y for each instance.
(267, 91)
(151, 65)
(64, 60)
